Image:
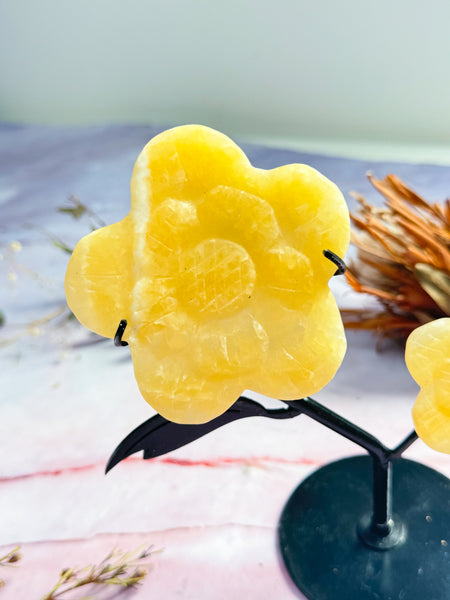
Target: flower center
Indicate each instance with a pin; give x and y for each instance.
(217, 276)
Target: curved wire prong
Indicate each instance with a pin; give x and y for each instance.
(336, 260)
(119, 333)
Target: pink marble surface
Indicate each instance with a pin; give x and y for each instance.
(68, 399)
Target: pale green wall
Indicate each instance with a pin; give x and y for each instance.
(357, 69)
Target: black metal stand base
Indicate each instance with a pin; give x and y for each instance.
(322, 534)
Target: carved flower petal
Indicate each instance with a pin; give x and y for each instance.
(175, 389)
(427, 357)
(241, 216)
(431, 422)
(232, 347)
(98, 279)
(311, 213)
(305, 348)
(169, 165)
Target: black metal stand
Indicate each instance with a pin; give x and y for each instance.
(363, 528)
(381, 531)
(334, 548)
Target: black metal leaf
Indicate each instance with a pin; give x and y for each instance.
(157, 435)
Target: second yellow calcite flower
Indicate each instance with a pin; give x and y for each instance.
(219, 271)
(428, 360)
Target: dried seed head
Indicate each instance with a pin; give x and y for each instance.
(15, 557)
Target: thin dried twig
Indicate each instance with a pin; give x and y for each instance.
(123, 569)
(10, 559)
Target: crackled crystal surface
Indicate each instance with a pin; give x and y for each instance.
(428, 360)
(219, 271)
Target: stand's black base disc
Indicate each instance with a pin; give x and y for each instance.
(325, 556)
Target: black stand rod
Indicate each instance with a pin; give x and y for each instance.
(380, 530)
(382, 498)
(349, 430)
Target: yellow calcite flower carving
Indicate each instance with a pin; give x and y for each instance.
(428, 360)
(218, 269)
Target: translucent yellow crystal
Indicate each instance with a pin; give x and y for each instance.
(428, 360)
(219, 271)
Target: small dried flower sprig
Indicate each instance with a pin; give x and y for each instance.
(77, 210)
(403, 260)
(74, 209)
(9, 560)
(124, 569)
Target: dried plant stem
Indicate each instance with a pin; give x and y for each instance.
(9, 559)
(118, 568)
